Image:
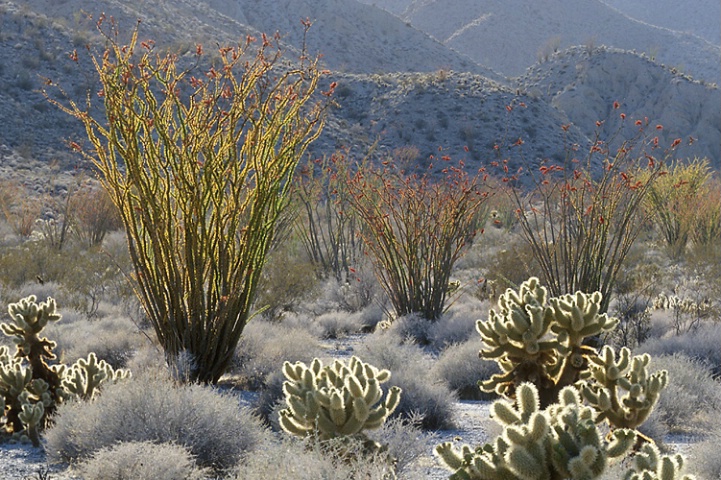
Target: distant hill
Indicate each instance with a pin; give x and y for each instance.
(450, 106)
(353, 37)
(584, 84)
(700, 17)
(510, 35)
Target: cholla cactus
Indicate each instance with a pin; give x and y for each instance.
(84, 377)
(560, 442)
(540, 340)
(622, 390)
(30, 389)
(648, 464)
(336, 400)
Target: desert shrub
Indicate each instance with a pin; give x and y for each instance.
(461, 368)
(290, 458)
(297, 459)
(423, 394)
(211, 425)
(581, 217)
(264, 347)
(669, 198)
(700, 344)
(454, 326)
(415, 227)
(341, 324)
(707, 461)
(94, 215)
(141, 461)
(211, 157)
(691, 402)
(112, 338)
(286, 280)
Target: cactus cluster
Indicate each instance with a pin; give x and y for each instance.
(540, 340)
(30, 388)
(622, 390)
(549, 370)
(649, 464)
(336, 400)
(559, 442)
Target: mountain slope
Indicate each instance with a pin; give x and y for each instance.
(353, 37)
(510, 35)
(585, 84)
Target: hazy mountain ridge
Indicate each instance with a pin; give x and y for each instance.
(353, 37)
(584, 84)
(510, 35)
(443, 107)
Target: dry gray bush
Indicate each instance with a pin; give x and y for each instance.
(265, 345)
(691, 403)
(211, 425)
(142, 461)
(461, 367)
(411, 370)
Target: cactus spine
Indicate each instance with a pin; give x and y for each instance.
(335, 400)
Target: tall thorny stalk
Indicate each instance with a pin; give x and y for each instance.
(415, 227)
(582, 217)
(200, 180)
(326, 223)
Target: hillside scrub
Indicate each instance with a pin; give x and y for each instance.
(200, 180)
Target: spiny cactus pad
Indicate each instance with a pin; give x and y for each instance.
(649, 464)
(559, 442)
(335, 400)
(622, 389)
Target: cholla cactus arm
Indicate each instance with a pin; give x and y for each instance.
(14, 377)
(27, 320)
(648, 464)
(520, 453)
(84, 377)
(335, 400)
(31, 417)
(575, 318)
(516, 337)
(560, 442)
(622, 389)
(578, 450)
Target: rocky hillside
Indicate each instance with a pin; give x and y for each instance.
(510, 35)
(398, 89)
(584, 84)
(700, 17)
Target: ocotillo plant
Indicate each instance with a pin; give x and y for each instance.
(669, 198)
(583, 215)
(415, 226)
(200, 180)
(326, 222)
